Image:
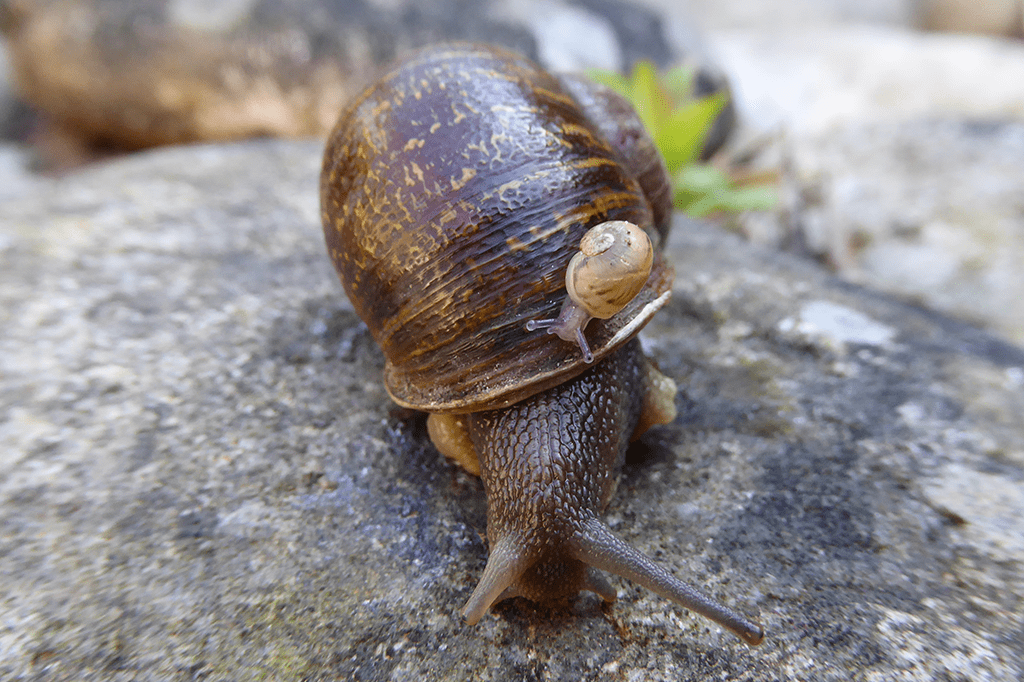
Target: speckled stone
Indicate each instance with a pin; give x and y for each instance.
(203, 477)
(930, 210)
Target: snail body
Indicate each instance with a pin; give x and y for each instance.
(455, 192)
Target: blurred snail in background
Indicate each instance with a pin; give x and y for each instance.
(469, 199)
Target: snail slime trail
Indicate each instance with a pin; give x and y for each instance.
(470, 200)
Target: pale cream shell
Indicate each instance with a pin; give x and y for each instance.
(611, 268)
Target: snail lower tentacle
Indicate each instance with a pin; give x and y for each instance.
(597, 546)
(569, 326)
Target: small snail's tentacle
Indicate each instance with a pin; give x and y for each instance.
(569, 326)
(597, 546)
(508, 560)
(581, 340)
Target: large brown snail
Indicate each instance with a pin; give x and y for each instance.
(455, 194)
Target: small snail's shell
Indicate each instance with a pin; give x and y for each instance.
(455, 191)
(612, 266)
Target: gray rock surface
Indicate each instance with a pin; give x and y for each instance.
(7, 97)
(780, 15)
(929, 209)
(900, 159)
(813, 80)
(16, 174)
(204, 479)
(995, 17)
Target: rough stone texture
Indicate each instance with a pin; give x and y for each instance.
(6, 96)
(776, 15)
(813, 80)
(932, 210)
(14, 114)
(203, 478)
(997, 17)
(16, 176)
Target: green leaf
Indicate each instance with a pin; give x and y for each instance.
(679, 124)
(756, 198)
(615, 81)
(649, 99)
(678, 83)
(681, 138)
(701, 190)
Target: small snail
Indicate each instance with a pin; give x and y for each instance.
(455, 192)
(610, 269)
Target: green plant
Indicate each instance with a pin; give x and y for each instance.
(679, 124)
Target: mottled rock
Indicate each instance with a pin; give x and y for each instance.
(782, 15)
(930, 210)
(906, 179)
(995, 17)
(6, 96)
(16, 175)
(15, 115)
(204, 478)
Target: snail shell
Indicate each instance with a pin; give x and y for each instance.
(456, 190)
(612, 266)
(610, 269)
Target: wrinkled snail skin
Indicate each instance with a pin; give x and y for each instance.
(455, 192)
(549, 471)
(548, 474)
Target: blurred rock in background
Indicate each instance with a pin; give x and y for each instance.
(842, 99)
(898, 146)
(130, 75)
(994, 17)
